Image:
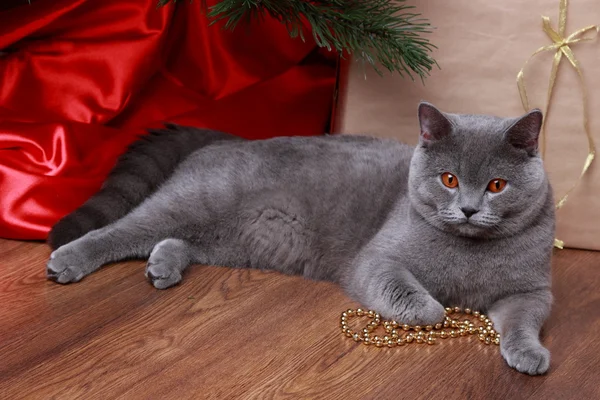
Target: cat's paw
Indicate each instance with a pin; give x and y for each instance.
(419, 309)
(162, 275)
(532, 359)
(64, 266)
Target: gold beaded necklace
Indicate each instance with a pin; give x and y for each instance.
(401, 334)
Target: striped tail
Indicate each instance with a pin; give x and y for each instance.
(146, 164)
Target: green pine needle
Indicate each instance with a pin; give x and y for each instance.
(380, 32)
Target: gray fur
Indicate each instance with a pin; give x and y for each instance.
(136, 175)
(371, 214)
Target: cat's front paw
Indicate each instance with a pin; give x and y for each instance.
(162, 275)
(532, 359)
(419, 309)
(64, 266)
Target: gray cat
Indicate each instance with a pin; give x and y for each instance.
(464, 219)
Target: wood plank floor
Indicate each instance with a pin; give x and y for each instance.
(229, 334)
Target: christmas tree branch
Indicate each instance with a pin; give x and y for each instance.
(380, 32)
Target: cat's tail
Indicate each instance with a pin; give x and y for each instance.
(146, 164)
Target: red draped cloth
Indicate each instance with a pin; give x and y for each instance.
(80, 80)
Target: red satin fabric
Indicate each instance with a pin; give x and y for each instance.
(82, 79)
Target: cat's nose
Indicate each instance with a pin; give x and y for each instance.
(468, 211)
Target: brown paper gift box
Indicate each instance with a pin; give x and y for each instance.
(482, 45)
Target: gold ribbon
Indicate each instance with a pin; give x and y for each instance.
(561, 46)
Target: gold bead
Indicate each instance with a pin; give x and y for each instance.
(377, 316)
(443, 334)
(394, 324)
(378, 343)
(467, 311)
(497, 341)
(371, 313)
(377, 338)
(409, 338)
(377, 321)
(400, 342)
(438, 326)
(457, 309)
(350, 312)
(366, 331)
(446, 324)
(453, 333)
(356, 337)
(386, 338)
(344, 315)
(487, 321)
(348, 333)
(462, 332)
(481, 337)
(492, 332)
(394, 336)
(476, 313)
(394, 332)
(417, 328)
(367, 341)
(449, 310)
(406, 327)
(431, 341)
(488, 340)
(429, 328)
(482, 317)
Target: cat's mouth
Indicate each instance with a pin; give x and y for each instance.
(483, 225)
(471, 228)
(470, 231)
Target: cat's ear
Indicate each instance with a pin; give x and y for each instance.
(434, 124)
(525, 132)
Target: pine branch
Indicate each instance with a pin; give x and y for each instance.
(380, 32)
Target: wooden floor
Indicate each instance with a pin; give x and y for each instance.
(232, 334)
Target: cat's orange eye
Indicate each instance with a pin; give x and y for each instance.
(496, 185)
(449, 180)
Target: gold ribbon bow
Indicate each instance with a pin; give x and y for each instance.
(561, 46)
